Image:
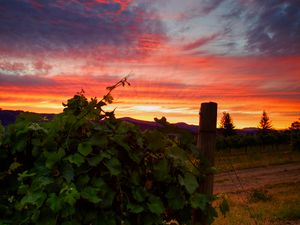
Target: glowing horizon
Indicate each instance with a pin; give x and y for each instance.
(179, 55)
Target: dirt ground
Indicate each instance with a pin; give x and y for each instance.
(247, 179)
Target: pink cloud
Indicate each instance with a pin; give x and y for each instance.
(12, 66)
(42, 66)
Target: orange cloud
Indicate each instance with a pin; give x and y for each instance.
(166, 83)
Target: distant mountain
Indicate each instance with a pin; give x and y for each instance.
(152, 124)
(9, 116)
(142, 123)
(191, 128)
(248, 130)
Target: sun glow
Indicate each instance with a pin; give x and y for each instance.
(179, 55)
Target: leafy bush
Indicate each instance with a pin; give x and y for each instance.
(87, 167)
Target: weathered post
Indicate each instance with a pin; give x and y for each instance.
(206, 143)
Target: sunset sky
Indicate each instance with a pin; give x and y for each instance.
(242, 54)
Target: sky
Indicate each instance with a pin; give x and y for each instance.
(242, 54)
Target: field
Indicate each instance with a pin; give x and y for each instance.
(262, 186)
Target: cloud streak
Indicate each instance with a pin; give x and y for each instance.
(60, 26)
(200, 42)
(277, 30)
(25, 81)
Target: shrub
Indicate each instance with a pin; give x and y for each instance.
(257, 195)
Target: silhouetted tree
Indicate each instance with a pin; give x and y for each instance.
(295, 135)
(295, 125)
(227, 124)
(163, 121)
(265, 123)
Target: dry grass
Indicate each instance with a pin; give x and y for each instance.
(255, 157)
(282, 204)
(274, 204)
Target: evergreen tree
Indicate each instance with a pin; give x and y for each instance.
(227, 124)
(265, 123)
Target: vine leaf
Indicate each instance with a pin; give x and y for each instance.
(114, 166)
(53, 157)
(68, 173)
(76, 159)
(33, 198)
(14, 166)
(161, 170)
(85, 149)
(155, 140)
(155, 205)
(134, 208)
(175, 198)
(199, 201)
(139, 194)
(54, 202)
(90, 194)
(94, 161)
(70, 194)
(189, 181)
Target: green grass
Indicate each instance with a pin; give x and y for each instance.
(255, 157)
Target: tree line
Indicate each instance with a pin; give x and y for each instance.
(265, 136)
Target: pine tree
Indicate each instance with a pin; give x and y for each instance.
(265, 123)
(227, 124)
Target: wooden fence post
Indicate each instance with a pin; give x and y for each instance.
(206, 143)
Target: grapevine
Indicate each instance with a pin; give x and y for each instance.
(87, 167)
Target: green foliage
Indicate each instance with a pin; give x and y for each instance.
(86, 167)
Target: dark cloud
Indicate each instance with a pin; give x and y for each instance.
(25, 81)
(276, 30)
(72, 25)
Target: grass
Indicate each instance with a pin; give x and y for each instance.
(283, 203)
(255, 157)
(274, 204)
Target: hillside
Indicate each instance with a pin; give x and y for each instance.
(9, 116)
